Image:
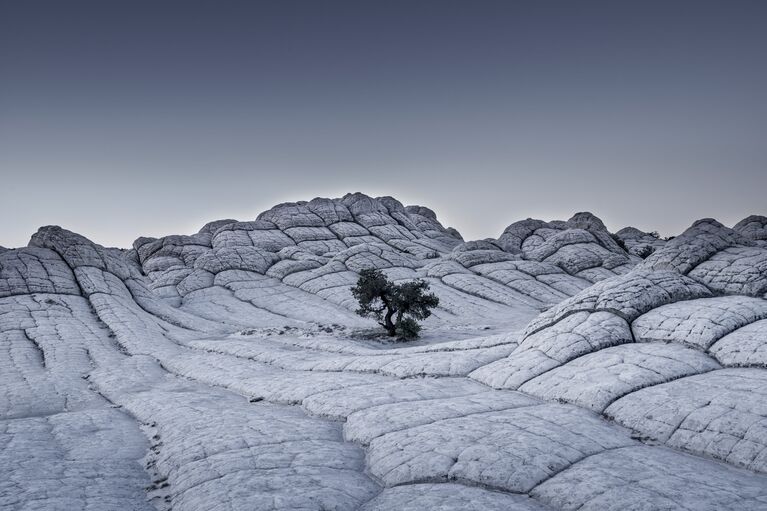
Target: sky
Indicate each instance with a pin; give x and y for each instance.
(147, 118)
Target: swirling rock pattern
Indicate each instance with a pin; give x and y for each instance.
(225, 369)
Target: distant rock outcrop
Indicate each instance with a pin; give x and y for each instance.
(753, 227)
(640, 243)
(320, 246)
(223, 361)
(674, 349)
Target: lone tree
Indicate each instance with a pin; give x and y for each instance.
(396, 307)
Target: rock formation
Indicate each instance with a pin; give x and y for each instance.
(219, 369)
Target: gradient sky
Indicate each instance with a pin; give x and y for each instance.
(120, 119)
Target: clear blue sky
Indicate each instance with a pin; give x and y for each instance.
(120, 119)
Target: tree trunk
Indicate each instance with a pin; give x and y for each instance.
(399, 319)
(390, 327)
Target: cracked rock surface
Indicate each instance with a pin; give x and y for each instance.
(226, 369)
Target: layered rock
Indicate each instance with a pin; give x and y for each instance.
(753, 227)
(661, 349)
(217, 370)
(640, 243)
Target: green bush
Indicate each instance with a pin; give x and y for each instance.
(408, 329)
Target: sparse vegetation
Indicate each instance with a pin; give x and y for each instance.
(396, 307)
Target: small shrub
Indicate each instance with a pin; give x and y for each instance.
(409, 329)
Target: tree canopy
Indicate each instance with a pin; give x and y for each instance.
(396, 307)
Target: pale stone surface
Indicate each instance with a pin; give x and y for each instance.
(722, 414)
(61, 445)
(338, 404)
(597, 379)
(753, 227)
(387, 362)
(652, 479)
(87, 460)
(573, 336)
(735, 270)
(582, 246)
(218, 449)
(698, 323)
(629, 296)
(35, 270)
(640, 243)
(449, 497)
(369, 423)
(232, 362)
(512, 450)
(696, 245)
(746, 346)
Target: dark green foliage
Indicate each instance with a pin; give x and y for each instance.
(371, 285)
(396, 307)
(411, 299)
(655, 235)
(408, 329)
